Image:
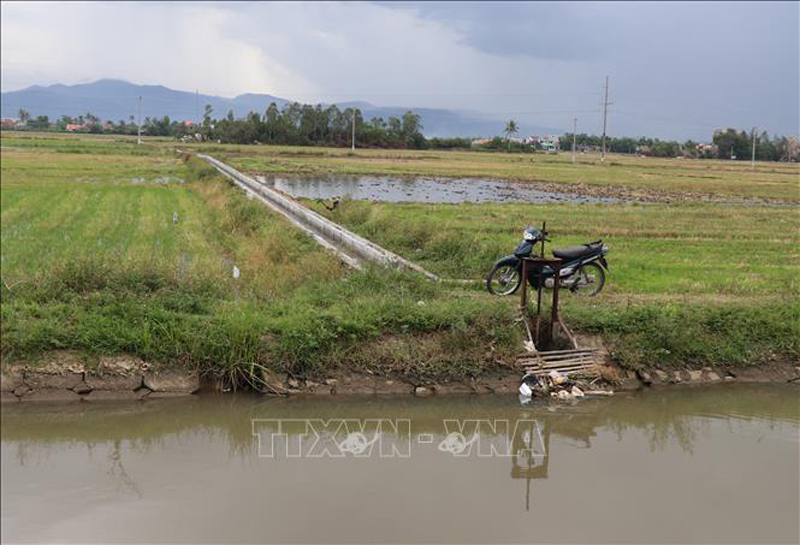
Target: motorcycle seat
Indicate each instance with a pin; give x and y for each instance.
(574, 252)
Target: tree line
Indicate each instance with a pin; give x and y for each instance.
(295, 124)
(305, 125)
(726, 144)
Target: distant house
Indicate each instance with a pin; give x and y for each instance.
(74, 127)
(9, 123)
(480, 142)
(188, 123)
(546, 142)
(705, 148)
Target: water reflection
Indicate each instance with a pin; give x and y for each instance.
(732, 446)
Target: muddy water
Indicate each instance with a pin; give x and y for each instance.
(715, 464)
(420, 189)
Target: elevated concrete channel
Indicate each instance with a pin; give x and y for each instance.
(351, 248)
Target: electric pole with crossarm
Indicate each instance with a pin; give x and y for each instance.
(606, 104)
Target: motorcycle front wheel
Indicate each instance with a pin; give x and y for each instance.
(503, 280)
(590, 280)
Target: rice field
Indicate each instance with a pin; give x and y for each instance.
(709, 250)
(110, 247)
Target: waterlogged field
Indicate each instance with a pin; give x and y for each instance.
(677, 177)
(110, 247)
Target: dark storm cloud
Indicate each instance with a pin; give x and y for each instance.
(543, 30)
(677, 70)
(682, 66)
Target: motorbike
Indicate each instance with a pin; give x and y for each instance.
(583, 267)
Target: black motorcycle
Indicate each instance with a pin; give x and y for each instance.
(583, 268)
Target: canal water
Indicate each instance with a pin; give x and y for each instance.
(706, 464)
(420, 189)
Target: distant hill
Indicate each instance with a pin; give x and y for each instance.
(117, 99)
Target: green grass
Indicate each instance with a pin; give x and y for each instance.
(680, 335)
(101, 267)
(92, 260)
(688, 250)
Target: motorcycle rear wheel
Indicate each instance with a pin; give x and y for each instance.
(590, 282)
(503, 280)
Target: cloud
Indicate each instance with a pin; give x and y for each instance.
(677, 69)
(542, 30)
(186, 46)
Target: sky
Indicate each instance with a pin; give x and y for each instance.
(676, 70)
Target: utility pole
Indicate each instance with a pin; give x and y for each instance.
(197, 106)
(139, 124)
(353, 140)
(574, 136)
(606, 104)
(753, 156)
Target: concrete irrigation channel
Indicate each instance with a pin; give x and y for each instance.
(353, 249)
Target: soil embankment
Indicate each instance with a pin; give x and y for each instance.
(65, 376)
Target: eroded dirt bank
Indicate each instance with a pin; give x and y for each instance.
(65, 376)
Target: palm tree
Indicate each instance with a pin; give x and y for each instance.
(511, 129)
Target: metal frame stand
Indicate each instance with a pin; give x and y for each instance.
(536, 361)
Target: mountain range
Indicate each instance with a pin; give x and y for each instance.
(116, 99)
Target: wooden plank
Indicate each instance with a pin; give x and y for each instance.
(568, 351)
(589, 370)
(561, 354)
(550, 363)
(554, 360)
(570, 358)
(572, 364)
(563, 371)
(558, 352)
(560, 369)
(557, 367)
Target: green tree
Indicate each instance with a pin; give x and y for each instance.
(510, 130)
(207, 120)
(732, 144)
(411, 129)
